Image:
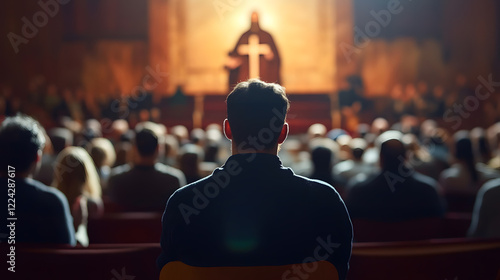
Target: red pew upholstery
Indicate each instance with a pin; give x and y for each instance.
(453, 225)
(125, 228)
(431, 259)
(96, 262)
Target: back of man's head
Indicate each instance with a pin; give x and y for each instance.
(392, 150)
(358, 147)
(146, 142)
(61, 138)
(463, 146)
(257, 109)
(322, 158)
(21, 138)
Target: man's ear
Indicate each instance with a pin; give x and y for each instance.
(39, 154)
(227, 130)
(283, 133)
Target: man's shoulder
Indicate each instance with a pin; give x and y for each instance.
(425, 183)
(217, 180)
(451, 173)
(43, 194)
(120, 175)
(313, 184)
(490, 189)
(424, 179)
(366, 181)
(168, 170)
(187, 190)
(120, 170)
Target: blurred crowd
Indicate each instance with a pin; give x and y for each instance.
(419, 174)
(396, 168)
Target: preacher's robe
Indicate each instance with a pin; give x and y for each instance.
(269, 70)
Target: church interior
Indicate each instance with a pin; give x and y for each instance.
(352, 69)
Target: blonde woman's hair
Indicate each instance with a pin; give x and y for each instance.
(75, 174)
(102, 152)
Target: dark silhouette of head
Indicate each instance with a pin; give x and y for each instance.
(60, 138)
(480, 143)
(392, 150)
(146, 142)
(21, 143)
(322, 158)
(211, 152)
(190, 156)
(358, 147)
(256, 113)
(465, 153)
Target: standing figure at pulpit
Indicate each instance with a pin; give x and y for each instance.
(254, 56)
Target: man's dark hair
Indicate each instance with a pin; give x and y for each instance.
(392, 150)
(146, 142)
(465, 153)
(21, 138)
(61, 138)
(257, 109)
(322, 158)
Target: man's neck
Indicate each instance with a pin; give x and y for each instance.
(236, 151)
(145, 161)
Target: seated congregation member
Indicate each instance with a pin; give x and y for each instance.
(170, 150)
(305, 166)
(397, 192)
(465, 176)
(481, 146)
(59, 138)
(486, 216)
(252, 211)
(421, 158)
(349, 168)
(322, 159)
(76, 177)
(44, 173)
(146, 184)
(42, 212)
(104, 156)
(371, 154)
(189, 160)
(123, 150)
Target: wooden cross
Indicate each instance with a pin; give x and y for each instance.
(254, 50)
